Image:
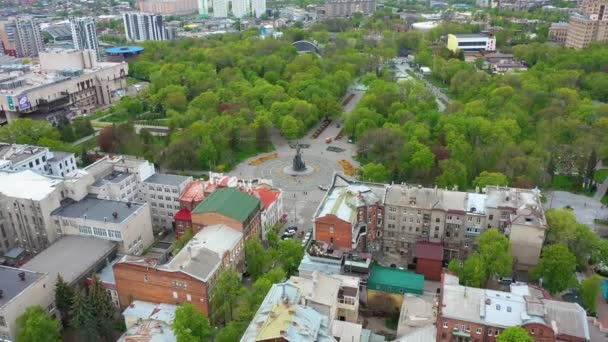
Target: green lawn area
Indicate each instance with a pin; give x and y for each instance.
(601, 175)
(570, 184)
(89, 144)
(116, 117)
(605, 200)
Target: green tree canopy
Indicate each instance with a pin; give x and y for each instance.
(591, 288)
(37, 326)
(556, 268)
(514, 334)
(191, 325)
(495, 250)
(486, 178)
(375, 172)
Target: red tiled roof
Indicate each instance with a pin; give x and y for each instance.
(267, 196)
(183, 215)
(428, 250)
(194, 192)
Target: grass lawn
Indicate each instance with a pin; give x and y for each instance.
(116, 117)
(601, 175)
(89, 144)
(605, 200)
(570, 184)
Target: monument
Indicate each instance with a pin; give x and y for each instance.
(298, 163)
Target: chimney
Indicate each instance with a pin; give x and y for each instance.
(115, 215)
(128, 204)
(22, 276)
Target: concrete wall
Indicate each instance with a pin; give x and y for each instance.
(527, 242)
(79, 59)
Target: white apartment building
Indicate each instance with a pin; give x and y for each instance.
(15, 157)
(162, 192)
(473, 42)
(220, 8)
(84, 35)
(258, 8)
(128, 224)
(203, 8)
(240, 8)
(20, 290)
(118, 177)
(140, 27)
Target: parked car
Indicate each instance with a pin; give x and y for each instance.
(323, 188)
(308, 236)
(506, 280)
(286, 236)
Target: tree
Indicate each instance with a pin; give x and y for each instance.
(290, 254)
(495, 250)
(225, 297)
(590, 169)
(490, 178)
(231, 332)
(63, 299)
(28, 131)
(564, 229)
(83, 317)
(103, 308)
(37, 326)
(514, 334)
(474, 271)
(258, 260)
(191, 325)
(375, 172)
(182, 241)
(85, 159)
(591, 288)
(556, 268)
(454, 173)
(106, 141)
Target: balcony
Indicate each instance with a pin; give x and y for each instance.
(348, 298)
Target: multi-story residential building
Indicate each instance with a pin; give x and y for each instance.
(14, 157)
(162, 192)
(346, 8)
(558, 32)
(473, 42)
(589, 25)
(258, 8)
(140, 27)
(187, 278)
(21, 37)
(128, 224)
(231, 207)
(240, 8)
(168, 7)
(220, 8)
(273, 207)
(84, 35)
(118, 178)
(63, 80)
(350, 216)
(467, 313)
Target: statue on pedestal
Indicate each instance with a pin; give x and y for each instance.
(298, 163)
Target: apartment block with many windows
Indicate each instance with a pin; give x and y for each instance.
(162, 192)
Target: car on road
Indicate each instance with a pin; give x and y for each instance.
(288, 235)
(323, 188)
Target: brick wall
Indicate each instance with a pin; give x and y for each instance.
(135, 282)
(342, 231)
(543, 333)
(431, 269)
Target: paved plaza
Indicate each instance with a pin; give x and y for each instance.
(585, 208)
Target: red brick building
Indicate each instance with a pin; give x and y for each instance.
(428, 257)
(480, 315)
(187, 278)
(230, 207)
(350, 215)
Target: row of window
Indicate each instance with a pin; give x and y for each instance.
(101, 232)
(167, 198)
(158, 188)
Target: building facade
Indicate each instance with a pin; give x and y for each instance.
(162, 192)
(140, 27)
(15, 157)
(168, 7)
(187, 278)
(474, 42)
(346, 8)
(21, 37)
(589, 25)
(558, 32)
(84, 35)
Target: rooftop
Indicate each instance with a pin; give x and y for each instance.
(229, 202)
(266, 195)
(114, 178)
(149, 331)
(16, 153)
(12, 285)
(166, 179)
(124, 49)
(322, 288)
(394, 280)
(293, 323)
(203, 254)
(472, 35)
(309, 264)
(155, 311)
(27, 184)
(344, 196)
(101, 210)
(416, 312)
(71, 256)
(106, 275)
(428, 250)
(194, 192)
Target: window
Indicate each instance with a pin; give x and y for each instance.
(185, 285)
(32, 164)
(491, 217)
(532, 332)
(498, 307)
(84, 230)
(170, 214)
(445, 324)
(161, 205)
(331, 229)
(466, 245)
(174, 191)
(508, 309)
(479, 331)
(467, 328)
(392, 209)
(167, 190)
(437, 220)
(188, 297)
(391, 217)
(153, 204)
(145, 277)
(2, 321)
(37, 161)
(151, 188)
(174, 294)
(490, 331)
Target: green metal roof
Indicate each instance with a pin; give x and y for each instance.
(229, 202)
(394, 280)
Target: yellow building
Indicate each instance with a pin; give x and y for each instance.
(474, 42)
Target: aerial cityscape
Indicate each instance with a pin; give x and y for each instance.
(304, 170)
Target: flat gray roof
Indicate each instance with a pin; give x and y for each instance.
(166, 179)
(71, 256)
(11, 285)
(471, 35)
(100, 210)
